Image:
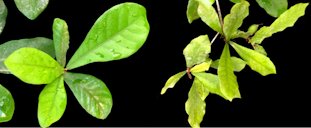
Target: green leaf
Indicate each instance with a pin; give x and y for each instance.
(197, 50)
(210, 82)
(192, 10)
(7, 48)
(234, 20)
(61, 40)
(116, 34)
(201, 67)
(3, 15)
(209, 15)
(287, 19)
(31, 8)
(195, 105)
(91, 93)
(238, 64)
(260, 49)
(170, 83)
(257, 61)
(236, 1)
(228, 81)
(252, 29)
(33, 66)
(52, 102)
(273, 7)
(6, 105)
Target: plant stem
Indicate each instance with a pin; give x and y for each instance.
(215, 37)
(219, 14)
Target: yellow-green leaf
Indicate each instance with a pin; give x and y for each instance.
(61, 40)
(201, 67)
(192, 10)
(170, 83)
(209, 15)
(238, 64)
(273, 7)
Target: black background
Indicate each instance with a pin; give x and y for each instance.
(136, 82)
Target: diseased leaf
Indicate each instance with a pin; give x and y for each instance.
(192, 10)
(238, 64)
(257, 61)
(91, 93)
(170, 83)
(228, 81)
(210, 82)
(195, 105)
(260, 49)
(273, 7)
(286, 19)
(201, 67)
(31, 8)
(234, 20)
(116, 34)
(209, 15)
(197, 50)
(33, 66)
(7, 105)
(7, 48)
(52, 102)
(61, 40)
(3, 15)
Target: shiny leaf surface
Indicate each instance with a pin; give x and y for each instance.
(31, 8)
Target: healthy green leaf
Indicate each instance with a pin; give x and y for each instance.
(287, 19)
(192, 10)
(197, 50)
(33, 66)
(234, 20)
(273, 7)
(210, 82)
(91, 93)
(116, 34)
(257, 61)
(3, 15)
(209, 15)
(238, 64)
(252, 29)
(61, 40)
(6, 105)
(260, 49)
(7, 48)
(170, 83)
(201, 67)
(31, 8)
(195, 105)
(228, 81)
(52, 102)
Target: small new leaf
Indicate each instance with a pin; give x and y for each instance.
(33, 66)
(170, 83)
(7, 105)
(195, 105)
(209, 15)
(238, 64)
(3, 15)
(197, 50)
(228, 82)
(257, 61)
(234, 20)
(273, 7)
(92, 94)
(116, 34)
(201, 67)
(52, 102)
(286, 19)
(61, 40)
(31, 8)
(7, 48)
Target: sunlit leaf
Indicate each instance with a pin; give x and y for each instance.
(260, 49)
(3, 15)
(209, 15)
(33, 66)
(234, 20)
(197, 50)
(6, 105)
(273, 7)
(287, 19)
(192, 10)
(61, 40)
(195, 105)
(228, 81)
(201, 67)
(7, 48)
(117, 34)
(238, 64)
(170, 83)
(91, 93)
(257, 61)
(31, 8)
(52, 102)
